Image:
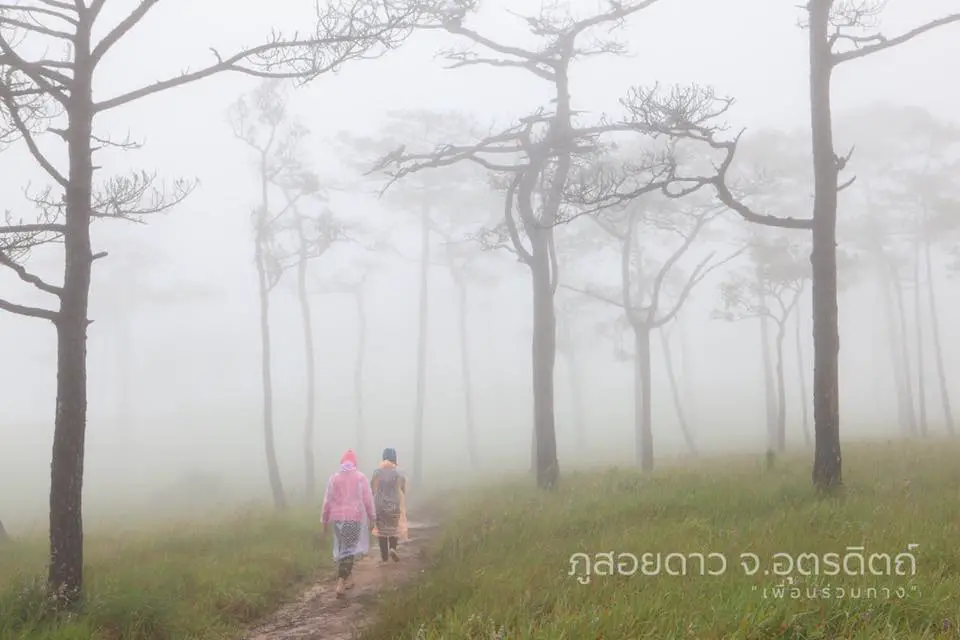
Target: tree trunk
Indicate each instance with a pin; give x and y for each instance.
(828, 462)
(358, 367)
(309, 461)
(905, 414)
(422, 345)
(544, 355)
(781, 440)
(937, 347)
(918, 322)
(65, 577)
(465, 368)
(802, 376)
(642, 398)
(769, 386)
(901, 309)
(675, 391)
(4, 536)
(273, 467)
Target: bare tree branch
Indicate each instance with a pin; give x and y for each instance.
(699, 222)
(868, 45)
(31, 312)
(40, 11)
(687, 113)
(346, 30)
(128, 197)
(122, 28)
(779, 273)
(14, 110)
(32, 228)
(28, 277)
(559, 34)
(699, 273)
(38, 73)
(592, 293)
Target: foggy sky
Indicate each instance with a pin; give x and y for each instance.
(195, 383)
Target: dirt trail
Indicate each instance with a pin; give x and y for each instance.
(318, 615)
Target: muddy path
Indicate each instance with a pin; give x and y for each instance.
(318, 615)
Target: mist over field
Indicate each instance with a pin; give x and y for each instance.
(305, 303)
(174, 383)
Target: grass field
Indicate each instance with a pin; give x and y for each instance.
(199, 582)
(501, 567)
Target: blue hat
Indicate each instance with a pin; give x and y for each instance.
(390, 454)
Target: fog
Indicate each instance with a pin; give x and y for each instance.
(181, 397)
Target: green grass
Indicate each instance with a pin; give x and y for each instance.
(500, 569)
(197, 581)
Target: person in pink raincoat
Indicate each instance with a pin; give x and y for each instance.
(348, 504)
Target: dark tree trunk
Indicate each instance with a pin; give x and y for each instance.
(905, 414)
(904, 342)
(465, 368)
(828, 462)
(66, 469)
(309, 462)
(65, 577)
(937, 347)
(781, 440)
(422, 345)
(544, 355)
(642, 398)
(675, 392)
(802, 376)
(4, 536)
(264, 286)
(358, 367)
(918, 321)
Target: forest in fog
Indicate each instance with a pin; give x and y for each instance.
(539, 243)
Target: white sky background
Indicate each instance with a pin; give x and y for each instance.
(195, 382)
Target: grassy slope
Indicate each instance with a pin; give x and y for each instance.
(502, 563)
(203, 581)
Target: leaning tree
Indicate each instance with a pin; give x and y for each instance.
(260, 120)
(538, 161)
(840, 31)
(292, 225)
